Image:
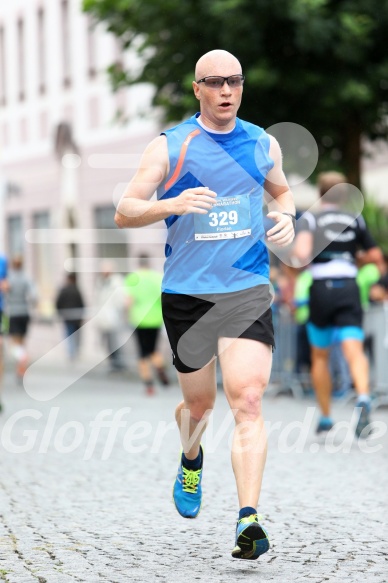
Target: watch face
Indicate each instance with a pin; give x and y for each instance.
(292, 217)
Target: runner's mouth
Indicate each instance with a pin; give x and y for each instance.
(225, 104)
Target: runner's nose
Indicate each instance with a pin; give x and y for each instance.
(225, 89)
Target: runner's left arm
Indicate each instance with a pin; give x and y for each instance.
(369, 252)
(279, 200)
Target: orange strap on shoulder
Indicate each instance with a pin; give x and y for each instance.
(182, 156)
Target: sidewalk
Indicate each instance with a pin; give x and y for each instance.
(45, 342)
(83, 503)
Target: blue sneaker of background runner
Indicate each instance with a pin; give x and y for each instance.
(324, 425)
(363, 427)
(187, 493)
(251, 539)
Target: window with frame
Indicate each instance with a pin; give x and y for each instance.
(3, 88)
(106, 249)
(91, 48)
(15, 236)
(42, 258)
(41, 51)
(21, 60)
(65, 23)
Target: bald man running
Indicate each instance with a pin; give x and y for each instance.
(211, 173)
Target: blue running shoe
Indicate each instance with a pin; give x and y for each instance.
(324, 425)
(363, 427)
(251, 539)
(187, 492)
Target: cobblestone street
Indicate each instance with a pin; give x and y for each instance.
(86, 484)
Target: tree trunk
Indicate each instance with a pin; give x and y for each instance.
(352, 151)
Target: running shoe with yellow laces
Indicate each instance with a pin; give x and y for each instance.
(251, 539)
(187, 492)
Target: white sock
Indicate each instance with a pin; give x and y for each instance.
(363, 399)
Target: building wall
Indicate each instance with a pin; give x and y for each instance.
(77, 92)
(53, 71)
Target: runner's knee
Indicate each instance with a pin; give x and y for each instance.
(320, 354)
(248, 405)
(199, 408)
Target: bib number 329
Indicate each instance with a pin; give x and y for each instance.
(223, 218)
(230, 218)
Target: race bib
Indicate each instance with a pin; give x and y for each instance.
(230, 218)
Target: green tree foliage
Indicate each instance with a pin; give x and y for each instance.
(319, 63)
(376, 218)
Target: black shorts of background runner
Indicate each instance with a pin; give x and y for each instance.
(335, 302)
(146, 340)
(18, 325)
(194, 324)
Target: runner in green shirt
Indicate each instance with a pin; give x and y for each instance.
(143, 288)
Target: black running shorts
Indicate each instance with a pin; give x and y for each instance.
(194, 324)
(146, 340)
(18, 325)
(335, 302)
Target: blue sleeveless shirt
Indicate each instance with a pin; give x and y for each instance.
(233, 164)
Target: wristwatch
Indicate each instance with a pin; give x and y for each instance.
(293, 218)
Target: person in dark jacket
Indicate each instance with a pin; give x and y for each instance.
(70, 306)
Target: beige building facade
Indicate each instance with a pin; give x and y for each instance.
(68, 145)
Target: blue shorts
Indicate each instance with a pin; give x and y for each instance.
(324, 337)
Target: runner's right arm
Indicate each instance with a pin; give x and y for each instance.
(135, 208)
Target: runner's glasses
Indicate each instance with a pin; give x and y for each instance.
(217, 82)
